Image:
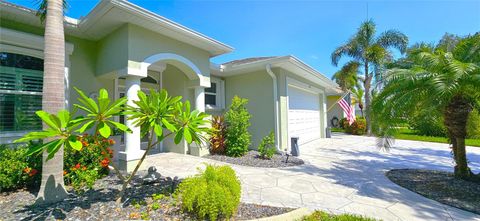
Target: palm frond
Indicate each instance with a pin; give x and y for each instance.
(393, 38)
(42, 8)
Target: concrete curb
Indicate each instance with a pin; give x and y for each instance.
(290, 216)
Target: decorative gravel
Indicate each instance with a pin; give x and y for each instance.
(99, 204)
(439, 186)
(252, 158)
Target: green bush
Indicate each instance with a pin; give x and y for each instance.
(423, 122)
(17, 170)
(238, 121)
(82, 168)
(473, 125)
(341, 123)
(359, 127)
(267, 146)
(214, 193)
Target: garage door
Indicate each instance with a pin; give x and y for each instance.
(303, 115)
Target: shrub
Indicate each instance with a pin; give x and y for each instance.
(423, 122)
(323, 216)
(359, 127)
(17, 170)
(82, 168)
(341, 123)
(473, 125)
(213, 193)
(267, 146)
(217, 140)
(238, 121)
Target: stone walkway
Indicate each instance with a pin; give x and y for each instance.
(344, 174)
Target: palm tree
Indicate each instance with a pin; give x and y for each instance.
(370, 51)
(359, 92)
(53, 100)
(445, 79)
(347, 76)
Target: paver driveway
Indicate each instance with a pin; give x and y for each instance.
(341, 174)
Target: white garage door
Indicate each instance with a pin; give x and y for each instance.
(303, 115)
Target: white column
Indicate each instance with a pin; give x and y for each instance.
(200, 98)
(132, 140)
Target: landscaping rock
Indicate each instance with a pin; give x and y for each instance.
(440, 186)
(253, 159)
(99, 204)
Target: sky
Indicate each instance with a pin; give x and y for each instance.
(309, 30)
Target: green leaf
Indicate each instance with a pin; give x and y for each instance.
(86, 126)
(158, 130)
(168, 125)
(187, 135)
(87, 101)
(64, 117)
(104, 130)
(103, 94)
(74, 143)
(53, 148)
(178, 136)
(120, 126)
(47, 120)
(37, 135)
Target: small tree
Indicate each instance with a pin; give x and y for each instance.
(267, 146)
(152, 113)
(238, 121)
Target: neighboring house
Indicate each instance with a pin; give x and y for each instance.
(125, 48)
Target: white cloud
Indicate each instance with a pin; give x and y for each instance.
(314, 57)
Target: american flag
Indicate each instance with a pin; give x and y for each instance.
(345, 104)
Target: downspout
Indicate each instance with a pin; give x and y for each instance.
(268, 67)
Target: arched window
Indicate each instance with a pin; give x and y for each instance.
(21, 83)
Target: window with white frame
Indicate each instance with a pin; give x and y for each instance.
(21, 83)
(214, 95)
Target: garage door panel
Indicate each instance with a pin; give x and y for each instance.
(303, 115)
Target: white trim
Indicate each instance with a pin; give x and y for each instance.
(219, 95)
(171, 57)
(27, 40)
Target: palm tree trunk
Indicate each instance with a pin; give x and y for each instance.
(455, 117)
(367, 84)
(52, 187)
(462, 171)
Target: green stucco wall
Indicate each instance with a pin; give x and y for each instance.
(257, 87)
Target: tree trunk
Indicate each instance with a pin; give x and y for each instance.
(366, 84)
(52, 187)
(455, 117)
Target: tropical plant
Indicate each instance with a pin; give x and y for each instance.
(358, 127)
(157, 111)
(266, 148)
(238, 122)
(444, 81)
(53, 96)
(359, 93)
(347, 76)
(18, 170)
(218, 140)
(213, 193)
(370, 51)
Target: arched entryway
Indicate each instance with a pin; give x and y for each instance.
(174, 73)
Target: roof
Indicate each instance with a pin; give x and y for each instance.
(108, 15)
(288, 62)
(248, 60)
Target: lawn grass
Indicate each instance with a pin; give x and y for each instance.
(323, 216)
(407, 134)
(335, 129)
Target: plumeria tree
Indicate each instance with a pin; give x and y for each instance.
(157, 114)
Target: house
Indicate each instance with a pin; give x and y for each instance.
(125, 48)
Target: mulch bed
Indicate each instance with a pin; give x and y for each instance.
(439, 186)
(99, 204)
(252, 158)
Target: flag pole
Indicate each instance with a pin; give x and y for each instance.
(338, 100)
